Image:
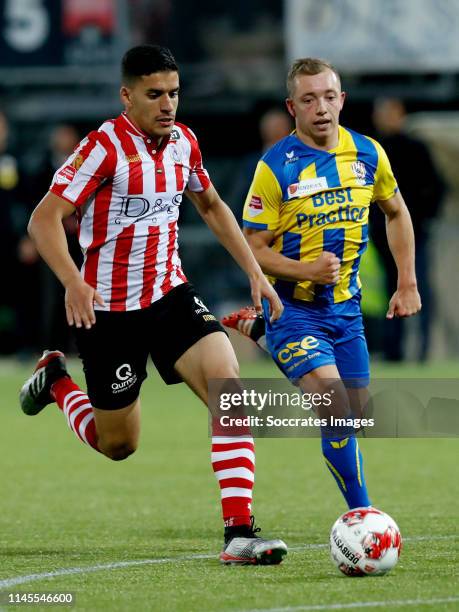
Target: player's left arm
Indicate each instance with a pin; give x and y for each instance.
(400, 235)
(223, 224)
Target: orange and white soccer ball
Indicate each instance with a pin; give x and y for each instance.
(365, 541)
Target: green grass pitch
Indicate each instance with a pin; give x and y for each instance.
(64, 507)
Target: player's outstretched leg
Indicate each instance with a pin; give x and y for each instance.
(233, 456)
(249, 323)
(339, 444)
(233, 462)
(50, 383)
(344, 460)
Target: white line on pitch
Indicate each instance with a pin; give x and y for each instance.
(10, 582)
(16, 580)
(360, 604)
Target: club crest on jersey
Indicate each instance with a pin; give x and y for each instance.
(358, 168)
(255, 206)
(175, 135)
(65, 176)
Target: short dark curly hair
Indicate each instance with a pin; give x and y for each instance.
(146, 59)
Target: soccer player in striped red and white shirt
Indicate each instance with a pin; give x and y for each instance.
(131, 299)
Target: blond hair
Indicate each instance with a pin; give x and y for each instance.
(309, 66)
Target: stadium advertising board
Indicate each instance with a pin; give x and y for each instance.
(373, 36)
(60, 33)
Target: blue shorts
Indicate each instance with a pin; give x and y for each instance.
(309, 335)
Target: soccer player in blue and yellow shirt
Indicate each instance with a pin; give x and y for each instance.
(306, 220)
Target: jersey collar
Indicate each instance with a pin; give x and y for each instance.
(125, 123)
(305, 149)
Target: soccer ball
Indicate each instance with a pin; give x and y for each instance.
(365, 541)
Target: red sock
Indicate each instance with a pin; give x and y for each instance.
(233, 461)
(77, 408)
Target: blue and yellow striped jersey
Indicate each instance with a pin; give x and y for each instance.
(316, 201)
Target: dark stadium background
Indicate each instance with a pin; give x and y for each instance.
(59, 62)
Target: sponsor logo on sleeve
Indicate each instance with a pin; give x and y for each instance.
(307, 187)
(65, 175)
(255, 206)
(77, 162)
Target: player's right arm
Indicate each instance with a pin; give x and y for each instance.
(47, 231)
(261, 220)
(324, 270)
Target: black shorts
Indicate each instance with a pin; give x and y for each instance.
(115, 350)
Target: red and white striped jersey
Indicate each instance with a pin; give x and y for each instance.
(128, 190)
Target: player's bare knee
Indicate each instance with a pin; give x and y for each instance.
(118, 450)
(119, 453)
(335, 401)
